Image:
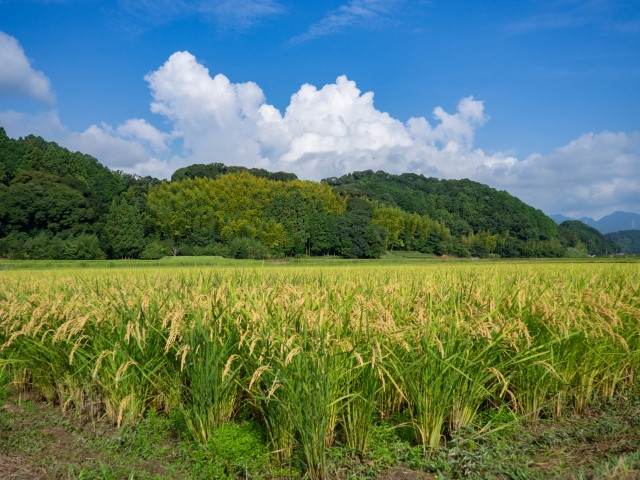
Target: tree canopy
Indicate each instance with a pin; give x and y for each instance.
(55, 203)
(627, 241)
(484, 219)
(579, 235)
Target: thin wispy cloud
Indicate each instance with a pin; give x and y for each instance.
(243, 13)
(356, 13)
(137, 16)
(46, 2)
(547, 21)
(630, 27)
(577, 14)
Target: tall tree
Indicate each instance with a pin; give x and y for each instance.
(357, 238)
(123, 230)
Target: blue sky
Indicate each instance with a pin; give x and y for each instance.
(539, 98)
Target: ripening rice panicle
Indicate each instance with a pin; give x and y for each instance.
(361, 387)
(318, 355)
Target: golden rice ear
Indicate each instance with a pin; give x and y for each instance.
(123, 368)
(257, 374)
(182, 353)
(227, 366)
(527, 337)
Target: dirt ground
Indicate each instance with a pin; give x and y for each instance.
(39, 441)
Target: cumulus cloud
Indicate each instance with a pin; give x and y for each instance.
(143, 131)
(337, 129)
(336, 119)
(593, 175)
(106, 143)
(17, 74)
(326, 131)
(47, 124)
(129, 147)
(215, 119)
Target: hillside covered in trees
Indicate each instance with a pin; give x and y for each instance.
(58, 204)
(627, 241)
(581, 238)
(483, 219)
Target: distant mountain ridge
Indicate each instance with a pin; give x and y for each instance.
(614, 222)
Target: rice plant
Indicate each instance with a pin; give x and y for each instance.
(318, 355)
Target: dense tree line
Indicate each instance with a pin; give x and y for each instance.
(242, 215)
(627, 241)
(213, 170)
(58, 204)
(480, 220)
(580, 238)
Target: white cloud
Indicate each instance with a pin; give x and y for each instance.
(104, 143)
(454, 129)
(17, 75)
(46, 124)
(120, 151)
(337, 129)
(336, 119)
(323, 132)
(593, 175)
(214, 118)
(140, 129)
(123, 148)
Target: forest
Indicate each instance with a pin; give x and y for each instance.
(626, 241)
(58, 204)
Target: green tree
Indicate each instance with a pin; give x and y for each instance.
(37, 201)
(33, 158)
(357, 237)
(83, 247)
(574, 231)
(324, 233)
(627, 241)
(462, 206)
(294, 213)
(4, 176)
(155, 250)
(123, 231)
(375, 238)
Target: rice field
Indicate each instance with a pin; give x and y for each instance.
(317, 355)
